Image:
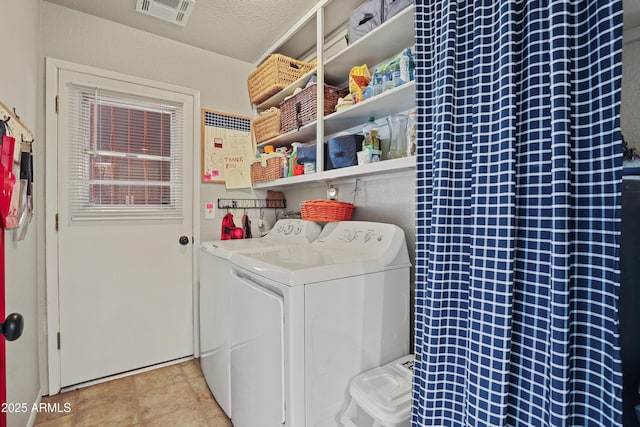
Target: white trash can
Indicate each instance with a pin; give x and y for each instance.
(381, 397)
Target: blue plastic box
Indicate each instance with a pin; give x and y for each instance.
(342, 151)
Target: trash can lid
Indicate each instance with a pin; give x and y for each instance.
(385, 392)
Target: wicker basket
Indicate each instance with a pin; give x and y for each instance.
(267, 168)
(294, 117)
(273, 75)
(326, 210)
(267, 125)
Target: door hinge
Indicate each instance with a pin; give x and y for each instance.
(57, 224)
(58, 340)
(57, 104)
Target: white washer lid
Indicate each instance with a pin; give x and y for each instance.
(385, 392)
(283, 233)
(353, 249)
(385, 242)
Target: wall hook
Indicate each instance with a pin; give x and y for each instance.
(16, 114)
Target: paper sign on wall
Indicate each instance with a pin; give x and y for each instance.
(227, 149)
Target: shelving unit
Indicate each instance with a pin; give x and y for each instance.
(304, 134)
(276, 99)
(330, 19)
(380, 44)
(385, 166)
(397, 99)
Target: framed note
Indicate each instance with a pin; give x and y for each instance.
(227, 149)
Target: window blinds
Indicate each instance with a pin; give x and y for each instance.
(125, 155)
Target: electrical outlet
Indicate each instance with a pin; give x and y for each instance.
(209, 211)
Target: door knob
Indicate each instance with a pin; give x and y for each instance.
(183, 240)
(12, 327)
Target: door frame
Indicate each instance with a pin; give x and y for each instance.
(52, 67)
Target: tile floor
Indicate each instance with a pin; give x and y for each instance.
(175, 395)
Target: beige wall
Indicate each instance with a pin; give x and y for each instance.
(18, 89)
(388, 198)
(222, 81)
(76, 37)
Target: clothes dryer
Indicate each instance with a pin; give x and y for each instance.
(215, 297)
(306, 320)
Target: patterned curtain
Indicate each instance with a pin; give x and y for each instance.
(518, 223)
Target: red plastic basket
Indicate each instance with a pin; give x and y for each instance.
(326, 210)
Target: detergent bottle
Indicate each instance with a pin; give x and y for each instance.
(294, 168)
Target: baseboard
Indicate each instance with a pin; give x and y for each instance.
(126, 374)
(32, 418)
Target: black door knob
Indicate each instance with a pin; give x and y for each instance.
(12, 327)
(183, 240)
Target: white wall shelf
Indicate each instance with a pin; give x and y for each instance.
(392, 101)
(385, 166)
(276, 99)
(379, 45)
(302, 38)
(398, 99)
(330, 19)
(305, 134)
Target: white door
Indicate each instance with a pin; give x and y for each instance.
(125, 287)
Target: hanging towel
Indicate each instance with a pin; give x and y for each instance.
(246, 226)
(229, 229)
(227, 226)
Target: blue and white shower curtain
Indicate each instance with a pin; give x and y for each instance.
(519, 180)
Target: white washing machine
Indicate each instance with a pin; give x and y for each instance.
(306, 320)
(215, 297)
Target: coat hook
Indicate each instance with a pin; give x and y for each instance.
(16, 114)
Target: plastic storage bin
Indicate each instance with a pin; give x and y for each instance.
(393, 7)
(381, 396)
(342, 151)
(326, 210)
(365, 18)
(307, 157)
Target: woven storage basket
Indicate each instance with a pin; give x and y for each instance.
(267, 125)
(273, 75)
(267, 168)
(293, 117)
(326, 210)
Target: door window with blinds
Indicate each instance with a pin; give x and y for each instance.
(126, 155)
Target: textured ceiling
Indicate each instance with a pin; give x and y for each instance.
(239, 29)
(242, 29)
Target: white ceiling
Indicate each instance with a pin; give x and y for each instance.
(239, 29)
(242, 29)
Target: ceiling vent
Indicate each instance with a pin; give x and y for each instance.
(176, 11)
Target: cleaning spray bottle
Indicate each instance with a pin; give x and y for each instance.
(294, 168)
